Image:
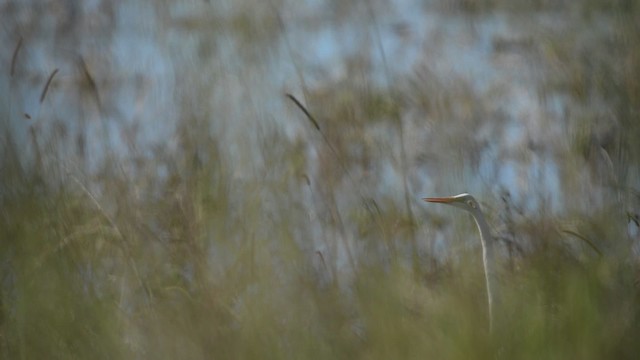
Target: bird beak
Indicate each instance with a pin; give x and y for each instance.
(442, 200)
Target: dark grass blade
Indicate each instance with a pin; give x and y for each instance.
(304, 110)
(583, 238)
(46, 86)
(14, 57)
(90, 80)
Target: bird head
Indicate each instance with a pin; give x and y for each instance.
(463, 201)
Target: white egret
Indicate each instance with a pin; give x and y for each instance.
(468, 203)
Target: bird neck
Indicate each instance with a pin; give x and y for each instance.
(488, 259)
(485, 232)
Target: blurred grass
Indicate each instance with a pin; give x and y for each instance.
(77, 285)
(202, 263)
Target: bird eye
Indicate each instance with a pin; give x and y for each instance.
(471, 203)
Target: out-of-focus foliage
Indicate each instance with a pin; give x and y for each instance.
(267, 241)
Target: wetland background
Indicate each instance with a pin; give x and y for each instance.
(161, 197)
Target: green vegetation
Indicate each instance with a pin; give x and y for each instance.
(213, 259)
(78, 284)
